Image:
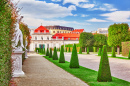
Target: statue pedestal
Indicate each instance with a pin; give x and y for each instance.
(26, 56)
(17, 64)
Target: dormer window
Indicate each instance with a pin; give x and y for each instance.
(68, 38)
(76, 38)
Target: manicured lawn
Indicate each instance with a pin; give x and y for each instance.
(87, 75)
(119, 57)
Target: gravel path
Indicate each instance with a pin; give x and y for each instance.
(41, 72)
(120, 68)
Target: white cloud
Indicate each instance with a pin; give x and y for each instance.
(118, 16)
(96, 20)
(72, 7)
(76, 2)
(86, 5)
(30, 21)
(75, 15)
(56, 0)
(41, 9)
(105, 7)
(83, 15)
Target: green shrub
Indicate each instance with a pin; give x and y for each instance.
(59, 49)
(80, 51)
(61, 58)
(66, 49)
(113, 52)
(50, 55)
(94, 49)
(104, 73)
(74, 62)
(99, 52)
(7, 24)
(44, 51)
(69, 50)
(87, 50)
(55, 57)
(47, 53)
(129, 55)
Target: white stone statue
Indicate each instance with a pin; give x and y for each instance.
(18, 36)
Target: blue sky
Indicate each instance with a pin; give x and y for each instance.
(79, 14)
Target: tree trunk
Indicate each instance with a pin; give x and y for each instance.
(118, 50)
(85, 49)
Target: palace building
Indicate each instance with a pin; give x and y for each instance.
(43, 38)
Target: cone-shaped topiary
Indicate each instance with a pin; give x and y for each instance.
(69, 49)
(80, 51)
(74, 62)
(50, 55)
(113, 52)
(47, 53)
(129, 55)
(62, 57)
(99, 52)
(55, 57)
(87, 50)
(104, 73)
(66, 49)
(44, 51)
(59, 49)
(94, 49)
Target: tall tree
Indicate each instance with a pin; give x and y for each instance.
(86, 39)
(100, 40)
(117, 33)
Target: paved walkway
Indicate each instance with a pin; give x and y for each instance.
(120, 68)
(41, 72)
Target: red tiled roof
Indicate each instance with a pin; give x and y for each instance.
(78, 30)
(72, 36)
(41, 29)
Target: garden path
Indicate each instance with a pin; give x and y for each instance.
(41, 72)
(120, 68)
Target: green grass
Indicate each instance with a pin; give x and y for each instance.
(87, 75)
(119, 57)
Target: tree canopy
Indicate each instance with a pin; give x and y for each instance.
(117, 33)
(100, 40)
(86, 39)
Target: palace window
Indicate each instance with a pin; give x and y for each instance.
(35, 38)
(47, 45)
(42, 38)
(47, 38)
(35, 45)
(57, 31)
(53, 31)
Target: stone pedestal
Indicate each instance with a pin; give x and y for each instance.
(26, 56)
(17, 64)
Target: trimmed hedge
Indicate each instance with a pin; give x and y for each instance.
(99, 52)
(47, 52)
(87, 50)
(50, 55)
(62, 57)
(55, 57)
(7, 27)
(113, 52)
(129, 55)
(80, 51)
(74, 62)
(104, 73)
